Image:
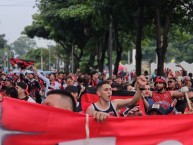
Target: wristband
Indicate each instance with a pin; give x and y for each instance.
(141, 89)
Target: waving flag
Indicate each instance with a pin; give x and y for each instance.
(21, 63)
(25, 123)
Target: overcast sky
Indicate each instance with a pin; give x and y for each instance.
(14, 16)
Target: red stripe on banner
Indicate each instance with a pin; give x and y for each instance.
(55, 126)
(36, 118)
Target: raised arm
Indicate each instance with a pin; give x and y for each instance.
(46, 80)
(177, 94)
(146, 104)
(121, 103)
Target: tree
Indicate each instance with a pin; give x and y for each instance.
(84, 26)
(139, 35)
(59, 21)
(22, 45)
(163, 24)
(77, 23)
(2, 41)
(35, 55)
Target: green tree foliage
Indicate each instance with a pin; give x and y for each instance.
(58, 21)
(35, 55)
(22, 45)
(3, 45)
(2, 41)
(167, 14)
(81, 23)
(84, 26)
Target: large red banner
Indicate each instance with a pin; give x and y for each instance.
(25, 123)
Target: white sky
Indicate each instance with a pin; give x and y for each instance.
(14, 16)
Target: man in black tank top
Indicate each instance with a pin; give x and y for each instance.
(104, 107)
(111, 110)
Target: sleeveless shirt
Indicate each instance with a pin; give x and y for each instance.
(111, 110)
(164, 99)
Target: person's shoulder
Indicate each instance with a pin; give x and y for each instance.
(31, 100)
(89, 109)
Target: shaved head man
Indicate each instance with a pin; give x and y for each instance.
(60, 99)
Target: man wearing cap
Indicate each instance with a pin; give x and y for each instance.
(162, 96)
(23, 94)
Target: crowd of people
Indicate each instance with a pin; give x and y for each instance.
(161, 95)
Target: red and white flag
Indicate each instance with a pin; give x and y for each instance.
(24, 123)
(23, 64)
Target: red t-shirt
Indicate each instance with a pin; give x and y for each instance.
(164, 99)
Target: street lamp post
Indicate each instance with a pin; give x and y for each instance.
(72, 54)
(5, 58)
(49, 57)
(41, 60)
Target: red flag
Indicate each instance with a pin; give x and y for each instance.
(23, 64)
(44, 125)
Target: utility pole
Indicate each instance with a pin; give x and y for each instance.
(49, 58)
(41, 60)
(72, 55)
(5, 57)
(58, 65)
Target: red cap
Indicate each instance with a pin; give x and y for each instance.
(160, 80)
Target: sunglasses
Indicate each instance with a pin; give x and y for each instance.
(170, 81)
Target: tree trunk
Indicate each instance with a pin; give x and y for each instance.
(66, 63)
(118, 48)
(162, 41)
(90, 63)
(159, 43)
(139, 37)
(78, 58)
(104, 45)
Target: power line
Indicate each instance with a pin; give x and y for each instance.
(19, 4)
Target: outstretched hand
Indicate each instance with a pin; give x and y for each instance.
(135, 111)
(141, 80)
(100, 116)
